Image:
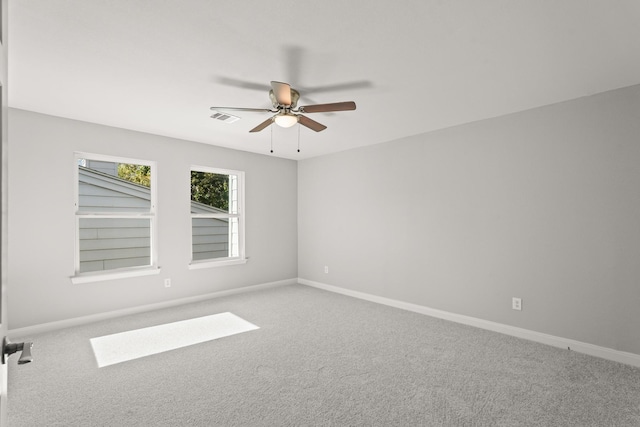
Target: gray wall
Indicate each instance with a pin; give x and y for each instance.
(542, 205)
(41, 219)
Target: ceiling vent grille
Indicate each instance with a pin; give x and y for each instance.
(224, 117)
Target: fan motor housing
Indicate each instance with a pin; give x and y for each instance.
(295, 95)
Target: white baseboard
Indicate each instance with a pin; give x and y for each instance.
(77, 321)
(581, 347)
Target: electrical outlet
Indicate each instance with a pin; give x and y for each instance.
(516, 303)
(167, 283)
(326, 269)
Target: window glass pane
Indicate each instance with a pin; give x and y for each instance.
(210, 238)
(214, 192)
(113, 187)
(108, 243)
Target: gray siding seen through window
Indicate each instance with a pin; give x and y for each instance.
(210, 235)
(111, 243)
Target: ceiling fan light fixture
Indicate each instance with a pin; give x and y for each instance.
(286, 120)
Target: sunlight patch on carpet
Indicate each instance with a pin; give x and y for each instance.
(129, 345)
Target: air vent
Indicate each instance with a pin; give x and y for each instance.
(224, 117)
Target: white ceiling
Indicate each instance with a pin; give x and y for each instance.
(411, 66)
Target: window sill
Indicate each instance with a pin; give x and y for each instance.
(113, 275)
(196, 265)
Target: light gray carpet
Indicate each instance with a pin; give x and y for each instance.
(320, 359)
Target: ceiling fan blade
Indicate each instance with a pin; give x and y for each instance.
(361, 84)
(282, 92)
(311, 124)
(322, 108)
(260, 110)
(262, 125)
(243, 84)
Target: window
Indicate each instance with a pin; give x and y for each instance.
(217, 217)
(115, 216)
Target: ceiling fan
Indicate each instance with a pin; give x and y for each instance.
(286, 110)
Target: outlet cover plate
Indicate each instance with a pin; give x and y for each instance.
(516, 303)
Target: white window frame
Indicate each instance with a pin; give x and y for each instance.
(119, 273)
(223, 261)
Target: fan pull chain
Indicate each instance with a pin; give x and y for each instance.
(271, 138)
(298, 137)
